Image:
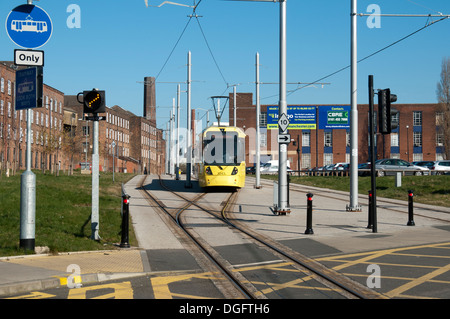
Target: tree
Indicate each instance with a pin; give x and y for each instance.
(443, 96)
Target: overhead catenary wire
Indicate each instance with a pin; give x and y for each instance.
(365, 58)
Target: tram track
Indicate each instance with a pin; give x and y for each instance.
(220, 265)
(311, 269)
(383, 203)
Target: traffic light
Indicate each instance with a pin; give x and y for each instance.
(385, 98)
(94, 101)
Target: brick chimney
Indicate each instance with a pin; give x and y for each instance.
(150, 99)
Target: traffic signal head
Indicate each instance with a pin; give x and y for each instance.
(94, 101)
(385, 98)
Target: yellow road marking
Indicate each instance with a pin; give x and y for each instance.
(397, 291)
(122, 290)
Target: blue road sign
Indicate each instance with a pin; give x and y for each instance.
(29, 26)
(29, 88)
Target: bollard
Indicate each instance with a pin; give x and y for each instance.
(410, 209)
(124, 243)
(370, 224)
(309, 229)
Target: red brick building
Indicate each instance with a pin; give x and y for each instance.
(46, 126)
(415, 139)
(62, 139)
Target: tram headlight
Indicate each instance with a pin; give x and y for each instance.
(208, 171)
(235, 171)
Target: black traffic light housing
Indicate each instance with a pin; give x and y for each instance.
(93, 101)
(385, 112)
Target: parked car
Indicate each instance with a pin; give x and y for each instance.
(364, 169)
(272, 167)
(390, 166)
(250, 170)
(340, 166)
(441, 167)
(426, 164)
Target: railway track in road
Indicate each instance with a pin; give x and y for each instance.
(385, 203)
(316, 276)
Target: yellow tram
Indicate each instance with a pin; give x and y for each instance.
(223, 160)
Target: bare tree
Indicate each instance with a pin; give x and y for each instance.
(443, 96)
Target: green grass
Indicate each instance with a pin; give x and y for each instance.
(63, 209)
(433, 190)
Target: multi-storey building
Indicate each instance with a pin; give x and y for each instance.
(46, 126)
(416, 138)
(61, 138)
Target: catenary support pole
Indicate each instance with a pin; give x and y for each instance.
(188, 183)
(353, 205)
(177, 142)
(258, 130)
(282, 148)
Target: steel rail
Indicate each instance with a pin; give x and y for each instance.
(177, 219)
(367, 294)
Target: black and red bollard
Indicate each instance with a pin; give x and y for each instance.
(124, 243)
(410, 209)
(370, 223)
(309, 229)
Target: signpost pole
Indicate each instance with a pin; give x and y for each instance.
(282, 148)
(95, 185)
(28, 198)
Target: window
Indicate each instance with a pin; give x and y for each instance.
(263, 119)
(327, 158)
(9, 109)
(328, 139)
(395, 119)
(394, 139)
(306, 138)
(347, 139)
(2, 85)
(417, 138)
(9, 87)
(439, 139)
(306, 160)
(263, 139)
(417, 118)
(2, 104)
(417, 157)
(85, 130)
(439, 118)
(85, 147)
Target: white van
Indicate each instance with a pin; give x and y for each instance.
(272, 167)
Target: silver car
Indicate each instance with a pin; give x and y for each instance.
(390, 166)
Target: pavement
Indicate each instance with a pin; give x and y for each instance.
(335, 231)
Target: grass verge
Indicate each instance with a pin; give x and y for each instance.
(63, 210)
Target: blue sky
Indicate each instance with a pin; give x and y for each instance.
(121, 42)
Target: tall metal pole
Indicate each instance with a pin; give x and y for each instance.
(372, 156)
(177, 143)
(28, 198)
(354, 206)
(258, 131)
(282, 148)
(95, 185)
(189, 133)
(27, 194)
(234, 106)
(170, 161)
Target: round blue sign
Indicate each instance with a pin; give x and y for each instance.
(29, 26)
